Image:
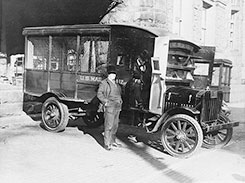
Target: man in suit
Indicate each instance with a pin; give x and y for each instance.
(109, 93)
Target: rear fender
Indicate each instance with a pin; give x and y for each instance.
(58, 96)
(33, 104)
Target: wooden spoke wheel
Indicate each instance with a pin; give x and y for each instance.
(181, 135)
(220, 138)
(55, 115)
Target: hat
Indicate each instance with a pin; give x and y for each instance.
(111, 69)
(144, 54)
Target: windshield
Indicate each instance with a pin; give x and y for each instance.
(201, 69)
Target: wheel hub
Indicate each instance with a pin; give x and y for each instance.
(52, 114)
(181, 135)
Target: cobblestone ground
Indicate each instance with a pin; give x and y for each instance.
(29, 154)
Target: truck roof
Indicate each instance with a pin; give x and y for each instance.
(85, 27)
(100, 29)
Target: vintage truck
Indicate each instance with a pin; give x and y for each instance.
(65, 64)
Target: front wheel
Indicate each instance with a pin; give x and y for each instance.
(55, 115)
(181, 135)
(220, 138)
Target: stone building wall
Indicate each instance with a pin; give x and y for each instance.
(188, 25)
(221, 25)
(3, 66)
(235, 54)
(146, 13)
(197, 16)
(169, 16)
(238, 57)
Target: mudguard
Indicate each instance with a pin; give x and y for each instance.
(177, 110)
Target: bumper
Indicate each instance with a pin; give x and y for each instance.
(216, 127)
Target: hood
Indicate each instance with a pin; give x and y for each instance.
(182, 95)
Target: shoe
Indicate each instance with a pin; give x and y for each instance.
(141, 107)
(132, 138)
(139, 124)
(116, 144)
(144, 110)
(108, 148)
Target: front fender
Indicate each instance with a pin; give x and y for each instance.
(177, 110)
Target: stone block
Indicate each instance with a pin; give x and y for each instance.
(237, 114)
(9, 109)
(11, 96)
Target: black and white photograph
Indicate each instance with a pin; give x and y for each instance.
(117, 91)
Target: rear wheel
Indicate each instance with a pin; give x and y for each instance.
(181, 135)
(55, 115)
(220, 138)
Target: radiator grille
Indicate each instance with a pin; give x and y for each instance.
(211, 105)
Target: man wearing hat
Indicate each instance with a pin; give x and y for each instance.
(142, 79)
(109, 93)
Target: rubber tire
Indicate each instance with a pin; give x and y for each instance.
(62, 112)
(226, 140)
(191, 123)
(94, 119)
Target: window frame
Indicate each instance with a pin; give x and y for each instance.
(29, 61)
(61, 65)
(92, 40)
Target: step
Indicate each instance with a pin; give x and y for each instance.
(15, 120)
(11, 109)
(11, 96)
(4, 86)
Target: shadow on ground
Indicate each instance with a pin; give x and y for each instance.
(124, 131)
(137, 141)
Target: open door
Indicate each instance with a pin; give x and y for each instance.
(159, 67)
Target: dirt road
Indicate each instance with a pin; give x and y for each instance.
(29, 154)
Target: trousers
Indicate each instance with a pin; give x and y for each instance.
(111, 116)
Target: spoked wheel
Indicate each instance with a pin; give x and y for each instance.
(94, 119)
(181, 135)
(220, 138)
(55, 115)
